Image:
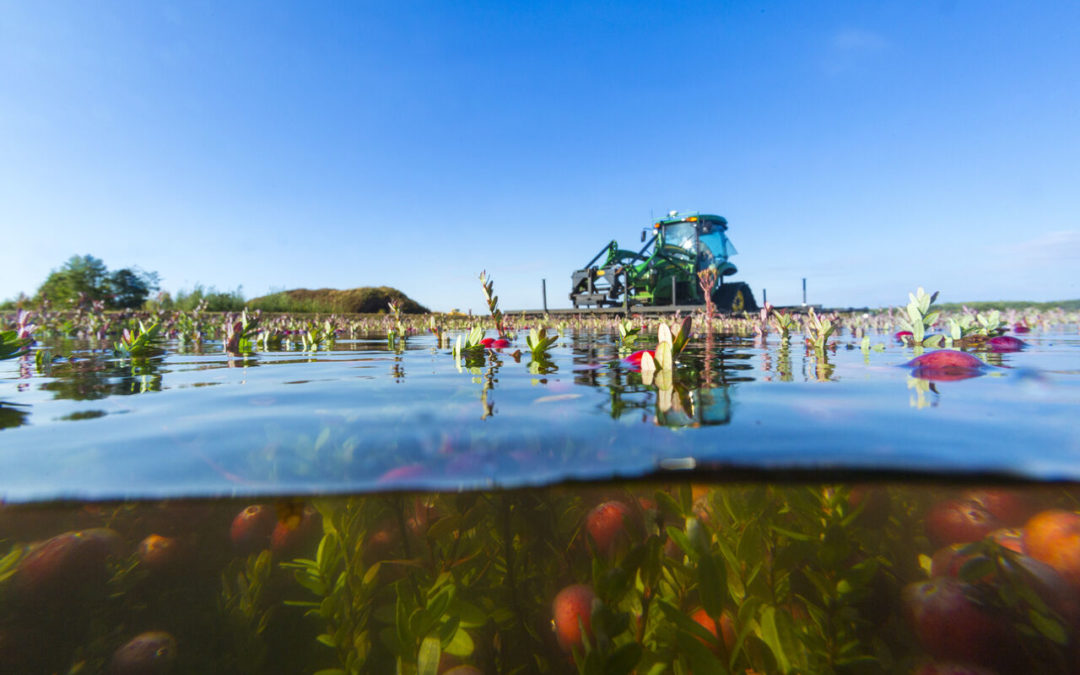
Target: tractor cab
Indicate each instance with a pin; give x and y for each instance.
(698, 236)
(665, 270)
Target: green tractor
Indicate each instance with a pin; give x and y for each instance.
(665, 270)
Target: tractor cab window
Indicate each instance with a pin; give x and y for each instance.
(681, 235)
(718, 247)
(712, 249)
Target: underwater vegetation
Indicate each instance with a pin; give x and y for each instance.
(606, 578)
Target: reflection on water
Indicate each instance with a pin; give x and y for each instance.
(12, 416)
(615, 578)
(355, 417)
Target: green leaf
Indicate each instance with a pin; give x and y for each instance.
(668, 506)
(683, 336)
(470, 615)
(427, 660)
(437, 606)
(791, 534)
(593, 663)
(916, 316)
(313, 584)
(657, 669)
(461, 645)
(976, 568)
(401, 622)
(8, 562)
(663, 334)
(327, 640)
(623, 660)
(664, 357)
(857, 661)
(770, 635)
(712, 585)
(648, 364)
(702, 661)
(1048, 627)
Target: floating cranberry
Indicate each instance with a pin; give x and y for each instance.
(1019, 327)
(402, 474)
(945, 365)
(1005, 344)
(635, 359)
(500, 343)
(945, 358)
(904, 336)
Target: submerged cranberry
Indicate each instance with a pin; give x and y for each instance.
(297, 533)
(1053, 537)
(66, 566)
(572, 616)
(958, 521)
(609, 526)
(1011, 507)
(952, 623)
(160, 554)
(152, 653)
(251, 528)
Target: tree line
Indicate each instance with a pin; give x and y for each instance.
(84, 278)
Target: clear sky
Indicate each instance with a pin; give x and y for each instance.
(871, 147)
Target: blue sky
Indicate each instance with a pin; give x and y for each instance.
(870, 147)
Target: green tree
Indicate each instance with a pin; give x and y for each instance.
(86, 277)
(129, 288)
(83, 275)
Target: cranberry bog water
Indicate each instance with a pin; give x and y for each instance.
(782, 492)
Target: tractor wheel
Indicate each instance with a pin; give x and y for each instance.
(734, 298)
